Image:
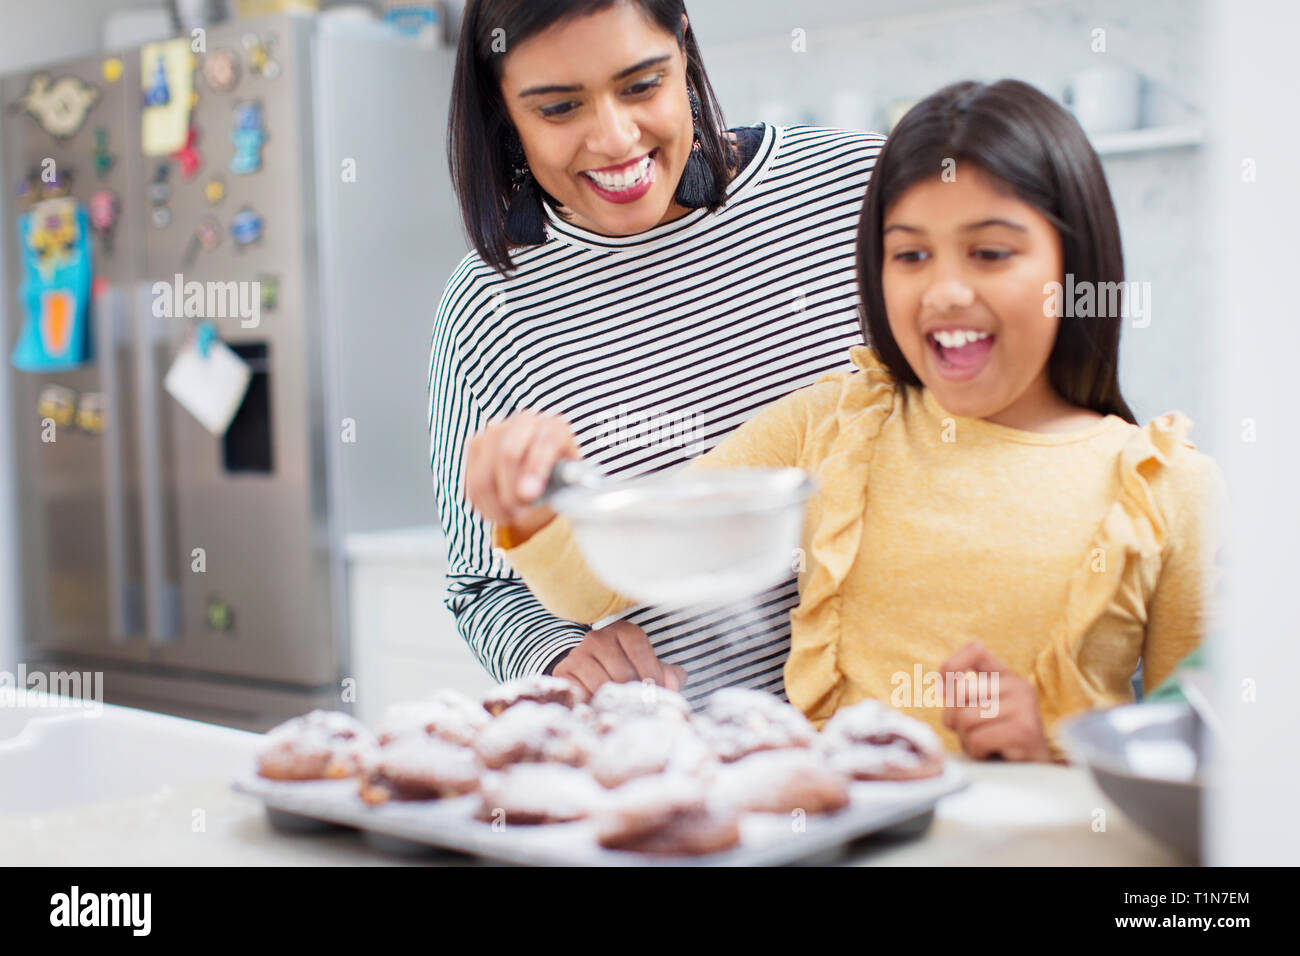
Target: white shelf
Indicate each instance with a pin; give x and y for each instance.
(1146, 140)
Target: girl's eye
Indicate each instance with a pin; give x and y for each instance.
(992, 255)
(558, 109)
(908, 256)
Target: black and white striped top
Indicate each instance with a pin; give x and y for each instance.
(654, 346)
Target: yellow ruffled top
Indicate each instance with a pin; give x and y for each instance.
(1071, 556)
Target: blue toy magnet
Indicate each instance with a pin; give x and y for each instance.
(54, 241)
(248, 136)
(245, 227)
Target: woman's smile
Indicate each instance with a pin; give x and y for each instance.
(626, 182)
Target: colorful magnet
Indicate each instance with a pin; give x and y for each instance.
(215, 191)
(221, 70)
(204, 335)
(246, 227)
(167, 87)
(260, 60)
(248, 136)
(188, 156)
(270, 289)
(57, 402)
(54, 243)
(206, 237)
(112, 69)
(157, 92)
(103, 158)
(104, 209)
(90, 413)
(60, 107)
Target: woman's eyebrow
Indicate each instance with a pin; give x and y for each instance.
(621, 74)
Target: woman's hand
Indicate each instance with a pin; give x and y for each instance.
(620, 652)
(1014, 729)
(507, 465)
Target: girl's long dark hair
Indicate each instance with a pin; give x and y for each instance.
(1035, 148)
(479, 130)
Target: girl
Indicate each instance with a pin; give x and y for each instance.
(642, 269)
(986, 501)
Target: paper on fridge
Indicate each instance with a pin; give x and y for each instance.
(211, 387)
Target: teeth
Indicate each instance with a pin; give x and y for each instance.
(623, 180)
(955, 339)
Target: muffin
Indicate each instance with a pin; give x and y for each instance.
(447, 714)
(871, 741)
(738, 722)
(645, 745)
(419, 767)
(531, 793)
(666, 814)
(535, 733)
(614, 704)
(782, 781)
(539, 689)
(321, 745)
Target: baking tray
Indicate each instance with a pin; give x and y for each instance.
(902, 808)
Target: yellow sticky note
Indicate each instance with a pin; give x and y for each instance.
(166, 72)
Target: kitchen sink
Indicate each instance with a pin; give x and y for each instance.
(55, 755)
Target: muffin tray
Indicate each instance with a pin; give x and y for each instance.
(897, 808)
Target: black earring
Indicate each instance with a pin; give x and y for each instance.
(525, 222)
(697, 187)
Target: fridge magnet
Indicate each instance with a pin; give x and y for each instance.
(102, 157)
(260, 60)
(60, 107)
(112, 69)
(104, 209)
(58, 403)
(270, 290)
(206, 237)
(248, 136)
(215, 191)
(53, 242)
(160, 192)
(221, 70)
(167, 88)
(246, 227)
(90, 413)
(187, 157)
(210, 386)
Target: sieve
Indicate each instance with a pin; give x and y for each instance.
(684, 539)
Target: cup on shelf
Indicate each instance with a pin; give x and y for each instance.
(1106, 99)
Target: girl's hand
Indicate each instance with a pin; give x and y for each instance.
(507, 465)
(1014, 728)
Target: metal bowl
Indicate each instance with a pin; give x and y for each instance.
(1149, 759)
(706, 538)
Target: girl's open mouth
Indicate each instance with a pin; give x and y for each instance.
(626, 186)
(965, 353)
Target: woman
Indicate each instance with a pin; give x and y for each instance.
(644, 273)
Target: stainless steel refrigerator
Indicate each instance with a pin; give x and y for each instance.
(204, 574)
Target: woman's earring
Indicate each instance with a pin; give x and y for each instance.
(524, 218)
(698, 187)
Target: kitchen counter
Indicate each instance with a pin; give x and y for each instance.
(1012, 814)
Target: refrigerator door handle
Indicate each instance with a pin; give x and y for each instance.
(112, 317)
(161, 593)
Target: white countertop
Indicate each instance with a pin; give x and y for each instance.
(1012, 814)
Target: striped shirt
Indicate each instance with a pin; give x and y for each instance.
(654, 347)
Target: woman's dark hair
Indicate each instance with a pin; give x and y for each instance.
(479, 130)
(1036, 150)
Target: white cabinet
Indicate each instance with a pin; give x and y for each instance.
(404, 640)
